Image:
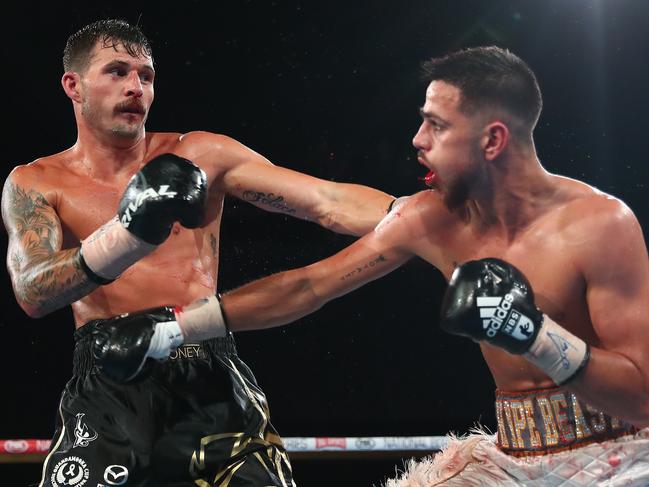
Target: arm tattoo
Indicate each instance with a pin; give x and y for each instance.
(270, 199)
(362, 268)
(29, 214)
(44, 277)
(214, 244)
(53, 282)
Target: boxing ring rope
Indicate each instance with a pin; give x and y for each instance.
(34, 451)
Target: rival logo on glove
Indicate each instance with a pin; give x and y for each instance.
(498, 315)
(141, 198)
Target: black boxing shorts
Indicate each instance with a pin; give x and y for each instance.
(197, 419)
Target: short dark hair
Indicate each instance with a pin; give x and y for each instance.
(490, 77)
(111, 33)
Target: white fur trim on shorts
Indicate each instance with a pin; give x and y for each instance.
(476, 460)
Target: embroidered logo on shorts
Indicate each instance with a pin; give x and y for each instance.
(70, 472)
(83, 433)
(116, 475)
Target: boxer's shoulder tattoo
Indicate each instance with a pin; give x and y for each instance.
(30, 216)
(44, 278)
(361, 268)
(268, 199)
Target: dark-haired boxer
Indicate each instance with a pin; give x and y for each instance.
(146, 208)
(573, 375)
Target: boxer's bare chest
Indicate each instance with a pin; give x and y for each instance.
(549, 265)
(86, 197)
(84, 204)
(182, 269)
(546, 254)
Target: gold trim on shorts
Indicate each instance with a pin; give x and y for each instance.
(240, 441)
(551, 420)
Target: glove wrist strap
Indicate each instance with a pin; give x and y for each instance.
(97, 279)
(557, 352)
(166, 337)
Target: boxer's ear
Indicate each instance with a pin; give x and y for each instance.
(71, 82)
(494, 140)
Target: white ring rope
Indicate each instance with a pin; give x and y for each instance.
(35, 450)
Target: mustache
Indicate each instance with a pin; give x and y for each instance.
(133, 106)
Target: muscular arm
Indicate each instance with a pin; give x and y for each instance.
(287, 296)
(43, 276)
(344, 208)
(617, 276)
(349, 209)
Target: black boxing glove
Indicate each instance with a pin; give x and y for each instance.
(491, 300)
(124, 346)
(167, 189)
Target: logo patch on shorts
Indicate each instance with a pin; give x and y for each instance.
(83, 433)
(116, 475)
(70, 472)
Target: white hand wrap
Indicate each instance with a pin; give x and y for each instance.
(557, 352)
(397, 202)
(202, 319)
(166, 337)
(111, 249)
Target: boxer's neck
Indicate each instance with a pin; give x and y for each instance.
(107, 157)
(512, 195)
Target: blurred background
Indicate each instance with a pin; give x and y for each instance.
(331, 89)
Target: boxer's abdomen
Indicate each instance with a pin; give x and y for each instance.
(181, 270)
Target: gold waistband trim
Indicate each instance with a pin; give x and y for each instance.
(550, 420)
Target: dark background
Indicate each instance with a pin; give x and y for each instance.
(330, 89)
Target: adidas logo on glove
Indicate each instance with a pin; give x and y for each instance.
(498, 315)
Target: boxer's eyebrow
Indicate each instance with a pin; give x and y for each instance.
(125, 65)
(430, 116)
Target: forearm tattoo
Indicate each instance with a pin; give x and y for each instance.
(273, 201)
(214, 244)
(44, 278)
(364, 267)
